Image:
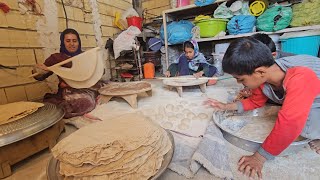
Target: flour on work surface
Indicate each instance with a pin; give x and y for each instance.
(254, 125)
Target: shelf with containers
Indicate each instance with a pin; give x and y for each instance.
(191, 11)
(128, 63)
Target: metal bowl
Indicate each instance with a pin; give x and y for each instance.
(251, 145)
(54, 167)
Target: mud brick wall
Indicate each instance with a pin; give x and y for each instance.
(24, 41)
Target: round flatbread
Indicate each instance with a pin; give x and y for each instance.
(17, 110)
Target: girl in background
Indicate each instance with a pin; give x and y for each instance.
(191, 62)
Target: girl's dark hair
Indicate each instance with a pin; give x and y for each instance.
(187, 44)
(62, 45)
(244, 55)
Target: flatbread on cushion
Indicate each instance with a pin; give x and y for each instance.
(17, 110)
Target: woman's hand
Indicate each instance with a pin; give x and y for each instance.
(42, 66)
(252, 165)
(221, 106)
(167, 74)
(198, 74)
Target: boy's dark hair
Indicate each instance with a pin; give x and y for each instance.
(187, 44)
(265, 39)
(244, 55)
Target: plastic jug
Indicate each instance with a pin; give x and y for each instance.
(149, 70)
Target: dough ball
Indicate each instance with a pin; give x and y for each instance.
(191, 115)
(203, 95)
(193, 105)
(169, 107)
(203, 116)
(183, 103)
(183, 126)
(180, 116)
(180, 107)
(185, 121)
(172, 118)
(170, 114)
(167, 125)
(159, 117)
(186, 111)
(176, 109)
(161, 110)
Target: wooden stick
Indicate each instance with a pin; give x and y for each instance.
(33, 75)
(192, 78)
(184, 78)
(62, 62)
(58, 64)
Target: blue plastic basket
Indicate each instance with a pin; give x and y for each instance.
(301, 45)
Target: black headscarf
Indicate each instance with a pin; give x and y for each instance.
(63, 47)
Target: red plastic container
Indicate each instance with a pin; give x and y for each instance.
(181, 3)
(135, 21)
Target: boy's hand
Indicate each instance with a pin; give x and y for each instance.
(252, 165)
(167, 73)
(198, 74)
(216, 104)
(219, 105)
(245, 92)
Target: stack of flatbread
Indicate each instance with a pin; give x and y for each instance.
(128, 147)
(17, 110)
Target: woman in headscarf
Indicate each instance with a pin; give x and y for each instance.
(75, 102)
(191, 62)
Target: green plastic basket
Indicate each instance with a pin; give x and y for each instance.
(211, 27)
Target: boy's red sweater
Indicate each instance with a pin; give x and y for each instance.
(301, 86)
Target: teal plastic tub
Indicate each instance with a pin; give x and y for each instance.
(307, 44)
(211, 27)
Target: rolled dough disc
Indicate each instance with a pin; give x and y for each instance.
(180, 115)
(183, 126)
(167, 125)
(185, 121)
(203, 116)
(191, 115)
(169, 107)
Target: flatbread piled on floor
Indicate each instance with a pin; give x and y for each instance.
(17, 110)
(128, 147)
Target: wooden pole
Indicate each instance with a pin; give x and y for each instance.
(193, 78)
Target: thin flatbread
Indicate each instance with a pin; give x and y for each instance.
(17, 110)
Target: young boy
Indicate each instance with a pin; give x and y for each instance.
(265, 39)
(291, 81)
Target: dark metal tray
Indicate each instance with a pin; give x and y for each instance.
(38, 121)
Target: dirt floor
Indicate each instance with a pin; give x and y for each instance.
(303, 165)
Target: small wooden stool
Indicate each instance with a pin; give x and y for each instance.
(15, 152)
(179, 83)
(127, 90)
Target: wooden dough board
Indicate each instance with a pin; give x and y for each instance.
(127, 90)
(185, 81)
